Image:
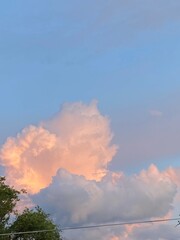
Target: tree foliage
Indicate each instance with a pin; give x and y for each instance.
(28, 221)
(8, 199)
(35, 220)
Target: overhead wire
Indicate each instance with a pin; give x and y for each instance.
(120, 224)
(94, 226)
(28, 232)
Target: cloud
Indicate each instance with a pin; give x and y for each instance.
(174, 175)
(156, 231)
(74, 200)
(63, 163)
(77, 139)
(118, 22)
(25, 157)
(160, 231)
(155, 113)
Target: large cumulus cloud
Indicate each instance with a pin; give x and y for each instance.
(77, 139)
(63, 163)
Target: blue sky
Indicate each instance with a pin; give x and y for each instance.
(125, 55)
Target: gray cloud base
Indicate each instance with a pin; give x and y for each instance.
(73, 200)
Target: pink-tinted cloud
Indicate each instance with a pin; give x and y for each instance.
(77, 139)
(26, 158)
(174, 174)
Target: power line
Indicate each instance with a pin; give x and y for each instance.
(120, 224)
(93, 226)
(20, 233)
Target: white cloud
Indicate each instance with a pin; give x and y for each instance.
(75, 200)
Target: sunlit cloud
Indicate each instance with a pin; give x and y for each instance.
(77, 139)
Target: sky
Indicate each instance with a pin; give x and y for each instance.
(90, 117)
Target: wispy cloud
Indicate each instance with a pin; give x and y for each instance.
(155, 113)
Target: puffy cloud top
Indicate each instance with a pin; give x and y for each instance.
(77, 139)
